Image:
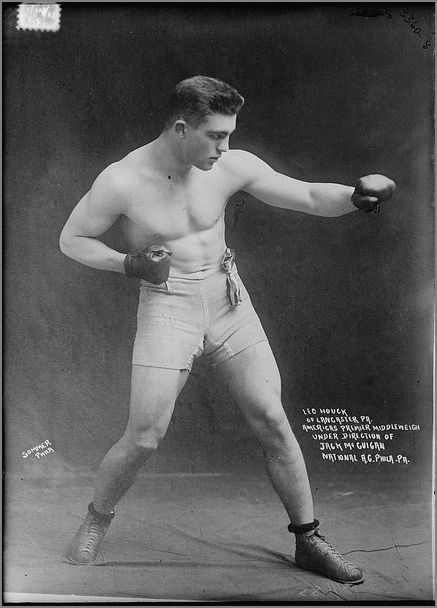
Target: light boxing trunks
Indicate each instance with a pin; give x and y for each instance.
(185, 317)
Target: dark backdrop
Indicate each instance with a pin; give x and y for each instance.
(347, 302)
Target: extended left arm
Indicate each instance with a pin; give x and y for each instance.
(322, 199)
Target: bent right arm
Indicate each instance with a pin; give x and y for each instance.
(93, 215)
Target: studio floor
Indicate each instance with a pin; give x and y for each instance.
(215, 537)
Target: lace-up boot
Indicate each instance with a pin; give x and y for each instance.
(313, 552)
(86, 543)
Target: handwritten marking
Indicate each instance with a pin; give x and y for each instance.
(332, 587)
(410, 20)
(310, 591)
(343, 437)
(339, 589)
(405, 13)
(370, 12)
(40, 450)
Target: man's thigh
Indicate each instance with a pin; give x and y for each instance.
(252, 378)
(153, 394)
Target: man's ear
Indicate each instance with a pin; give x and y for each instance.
(180, 127)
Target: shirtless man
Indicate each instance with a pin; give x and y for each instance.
(173, 193)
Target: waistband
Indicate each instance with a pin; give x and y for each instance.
(200, 275)
(225, 265)
(227, 268)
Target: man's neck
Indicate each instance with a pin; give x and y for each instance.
(167, 158)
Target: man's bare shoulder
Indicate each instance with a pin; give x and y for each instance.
(243, 164)
(241, 159)
(117, 176)
(111, 190)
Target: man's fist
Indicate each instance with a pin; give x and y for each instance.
(152, 264)
(372, 190)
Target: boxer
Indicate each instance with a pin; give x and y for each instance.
(173, 193)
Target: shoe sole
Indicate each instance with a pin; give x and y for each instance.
(75, 562)
(337, 580)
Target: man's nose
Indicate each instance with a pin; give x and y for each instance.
(223, 146)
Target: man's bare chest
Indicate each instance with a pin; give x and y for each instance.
(176, 211)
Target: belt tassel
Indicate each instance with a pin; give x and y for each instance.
(233, 291)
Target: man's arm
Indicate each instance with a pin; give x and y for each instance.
(322, 199)
(93, 215)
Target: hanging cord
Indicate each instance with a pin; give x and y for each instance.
(232, 287)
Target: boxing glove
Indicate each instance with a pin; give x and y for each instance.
(372, 190)
(152, 264)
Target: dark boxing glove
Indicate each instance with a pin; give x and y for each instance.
(372, 190)
(152, 264)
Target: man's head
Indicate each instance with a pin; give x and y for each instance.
(201, 117)
(195, 98)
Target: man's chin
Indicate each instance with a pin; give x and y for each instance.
(211, 162)
(207, 166)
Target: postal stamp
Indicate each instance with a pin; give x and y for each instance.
(41, 17)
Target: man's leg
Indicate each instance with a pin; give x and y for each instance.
(253, 380)
(153, 395)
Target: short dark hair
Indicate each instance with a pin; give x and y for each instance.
(193, 99)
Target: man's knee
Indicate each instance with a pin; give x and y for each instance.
(144, 440)
(148, 420)
(271, 424)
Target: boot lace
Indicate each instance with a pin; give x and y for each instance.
(94, 535)
(326, 548)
